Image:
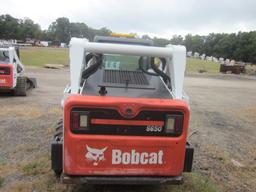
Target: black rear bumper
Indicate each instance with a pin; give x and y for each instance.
(123, 180)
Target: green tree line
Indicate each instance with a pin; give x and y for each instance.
(240, 46)
(60, 30)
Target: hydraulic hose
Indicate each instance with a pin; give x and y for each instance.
(165, 77)
(96, 62)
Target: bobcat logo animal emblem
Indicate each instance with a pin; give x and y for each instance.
(95, 155)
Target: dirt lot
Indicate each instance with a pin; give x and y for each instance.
(222, 127)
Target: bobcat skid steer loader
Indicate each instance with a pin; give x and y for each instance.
(12, 79)
(126, 117)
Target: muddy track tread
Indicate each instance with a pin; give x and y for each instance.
(21, 87)
(58, 136)
(59, 130)
(59, 125)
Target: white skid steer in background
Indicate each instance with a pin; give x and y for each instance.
(12, 77)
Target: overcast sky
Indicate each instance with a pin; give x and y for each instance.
(162, 18)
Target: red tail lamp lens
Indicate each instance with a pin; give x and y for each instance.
(75, 120)
(173, 124)
(79, 120)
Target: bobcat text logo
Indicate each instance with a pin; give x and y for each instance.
(135, 158)
(95, 155)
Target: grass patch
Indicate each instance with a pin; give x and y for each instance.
(1, 181)
(36, 167)
(39, 56)
(42, 183)
(194, 65)
(250, 69)
(195, 182)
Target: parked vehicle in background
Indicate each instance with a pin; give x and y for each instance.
(12, 78)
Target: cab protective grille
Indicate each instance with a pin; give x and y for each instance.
(125, 77)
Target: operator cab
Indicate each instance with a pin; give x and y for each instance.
(122, 75)
(125, 75)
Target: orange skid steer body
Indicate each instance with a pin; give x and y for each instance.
(6, 76)
(122, 126)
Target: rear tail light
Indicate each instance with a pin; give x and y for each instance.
(4, 71)
(83, 120)
(80, 120)
(173, 124)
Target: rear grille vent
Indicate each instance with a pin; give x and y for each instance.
(123, 77)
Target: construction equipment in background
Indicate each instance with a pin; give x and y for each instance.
(12, 79)
(126, 116)
(232, 67)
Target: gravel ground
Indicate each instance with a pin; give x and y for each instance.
(222, 129)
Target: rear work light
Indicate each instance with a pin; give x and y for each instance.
(173, 124)
(80, 120)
